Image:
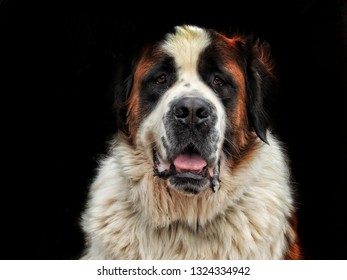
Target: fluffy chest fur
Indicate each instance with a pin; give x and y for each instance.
(134, 217)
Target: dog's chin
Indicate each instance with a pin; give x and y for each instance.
(189, 183)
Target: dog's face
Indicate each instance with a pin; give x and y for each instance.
(194, 100)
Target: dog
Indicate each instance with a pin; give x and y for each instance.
(195, 170)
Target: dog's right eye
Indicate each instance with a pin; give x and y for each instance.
(218, 81)
(161, 80)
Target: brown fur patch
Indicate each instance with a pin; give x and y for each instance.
(147, 61)
(294, 252)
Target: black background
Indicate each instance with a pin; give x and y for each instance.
(56, 62)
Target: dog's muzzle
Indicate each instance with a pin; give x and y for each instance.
(190, 145)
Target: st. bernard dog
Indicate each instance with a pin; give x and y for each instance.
(194, 172)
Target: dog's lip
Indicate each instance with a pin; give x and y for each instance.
(189, 163)
(165, 170)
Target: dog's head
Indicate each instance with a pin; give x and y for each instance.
(195, 99)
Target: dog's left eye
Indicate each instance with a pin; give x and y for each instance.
(161, 80)
(218, 81)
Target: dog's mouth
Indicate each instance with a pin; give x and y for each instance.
(189, 170)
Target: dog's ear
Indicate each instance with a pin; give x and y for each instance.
(123, 83)
(260, 81)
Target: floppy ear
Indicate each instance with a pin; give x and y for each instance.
(260, 81)
(123, 83)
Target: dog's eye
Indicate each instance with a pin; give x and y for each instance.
(218, 81)
(161, 80)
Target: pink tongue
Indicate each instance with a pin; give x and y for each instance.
(189, 162)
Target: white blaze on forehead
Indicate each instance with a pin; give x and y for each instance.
(186, 44)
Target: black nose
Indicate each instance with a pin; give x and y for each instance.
(191, 110)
